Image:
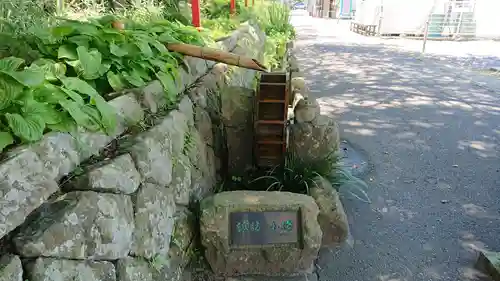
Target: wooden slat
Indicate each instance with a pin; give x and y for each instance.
(271, 101)
(272, 107)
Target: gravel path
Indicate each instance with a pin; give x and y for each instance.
(433, 142)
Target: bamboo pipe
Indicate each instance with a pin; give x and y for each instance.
(209, 53)
(216, 55)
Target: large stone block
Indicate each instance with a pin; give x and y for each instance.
(89, 143)
(237, 113)
(181, 180)
(175, 128)
(118, 176)
(24, 186)
(58, 153)
(200, 186)
(203, 124)
(171, 131)
(197, 66)
(313, 141)
(153, 159)
(306, 110)
(332, 217)
(197, 149)
(50, 269)
(80, 225)
(153, 96)
(11, 268)
(133, 269)
(183, 80)
(154, 221)
(155, 150)
(186, 108)
(184, 230)
(181, 247)
(273, 259)
(128, 109)
(198, 95)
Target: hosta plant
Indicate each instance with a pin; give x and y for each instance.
(111, 59)
(40, 97)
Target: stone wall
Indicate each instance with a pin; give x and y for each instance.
(94, 207)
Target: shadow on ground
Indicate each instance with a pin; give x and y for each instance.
(433, 140)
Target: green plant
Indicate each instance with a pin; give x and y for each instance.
(299, 176)
(218, 9)
(220, 27)
(40, 97)
(189, 143)
(110, 59)
(17, 16)
(274, 19)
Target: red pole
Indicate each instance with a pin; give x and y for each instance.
(195, 10)
(233, 7)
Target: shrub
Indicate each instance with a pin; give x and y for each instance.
(298, 175)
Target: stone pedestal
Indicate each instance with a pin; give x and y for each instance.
(254, 233)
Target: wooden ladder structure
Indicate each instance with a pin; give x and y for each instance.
(271, 113)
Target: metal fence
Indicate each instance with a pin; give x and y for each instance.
(453, 20)
(438, 19)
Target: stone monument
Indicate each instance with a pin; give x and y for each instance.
(260, 233)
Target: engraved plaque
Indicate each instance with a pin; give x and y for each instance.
(264, 228)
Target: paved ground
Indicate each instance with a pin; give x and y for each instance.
(432, 138)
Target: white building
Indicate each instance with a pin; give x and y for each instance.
(465, 18)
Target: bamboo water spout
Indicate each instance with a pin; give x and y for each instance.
(216, 55)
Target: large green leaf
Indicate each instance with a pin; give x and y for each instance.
(141, 68)
(80, 40)
(167, 37)
(81, 118)
(67, 51)
(85, 28)
(168, 83)
(159, 46)
(115, 81)
(117, 50)
(144, 47)
(80, 86)
(28, 127)
(48, 93)
(46, 111)
(63, 30)
(67, 124)
(159, 64)
(27, 77)
(105, 66)
(133, 78)
(6, 139)
(73, 95)
(107, 112)
(108, 115)
(10, 63)
(90, 63)
(53, 70)
(9, 90)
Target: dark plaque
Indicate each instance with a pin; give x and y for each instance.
(263, 228)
